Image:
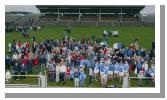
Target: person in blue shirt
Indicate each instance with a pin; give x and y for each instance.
(139, 66)
(139, 52)
(88, 64)
(129, 52)
(82, 78)
(152, 73)
(23, 71)
(82, 62)
(125, 53)
(110, 71)
(96, 70)
(126, 67)
(120, 69)
(102, 70)
(116, 66)
(72, 74)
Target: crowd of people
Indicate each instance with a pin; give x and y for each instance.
(78, 60)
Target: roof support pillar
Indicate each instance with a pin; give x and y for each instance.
(100, 16)
(58, 16)
(121, 14)
(79, 17)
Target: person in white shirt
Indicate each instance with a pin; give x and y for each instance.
(140, 76)
(57, 72)
(125, 80)
(15, 56)
(9, 45)
(145, 67)
(8, 76)
(104, 80)
(90, 75)
(62, 71)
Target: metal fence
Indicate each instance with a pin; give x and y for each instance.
(41, 82)
(135, 82)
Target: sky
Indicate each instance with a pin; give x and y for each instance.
(149, 9)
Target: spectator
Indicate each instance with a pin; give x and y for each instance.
(57, 72)
(7, 63)
(8, 76)
(62, 71)
(111, 71)
(125, 80)
(16, 70)
(82, 78)
(140, 76)
(42, 64)
(145, 67)
(90, 75)
(68, 72)
(76, 78)
(139, 67)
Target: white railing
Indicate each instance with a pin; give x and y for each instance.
(138, 78)
(26, 85)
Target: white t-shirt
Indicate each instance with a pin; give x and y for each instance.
(90, 71)
(145, 66)
(63, 68)
(15, 56)
(8, 75)
(115, 45)
(9, 45)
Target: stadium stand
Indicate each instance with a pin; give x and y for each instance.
(90, 15)
(20, 18)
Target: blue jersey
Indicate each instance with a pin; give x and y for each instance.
(82, 62)
(120, 68)
(126, 67)
(96, 66)
(88, 63)
(72, 73)
(106, 70)
(102, 69)
(125, 53)
(116, 67)
(139, 65)
(82, 76)
(129, 52)
(111, 67)
(152, 71)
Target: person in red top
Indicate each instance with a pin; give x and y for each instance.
(25, 60)
(105, 51)
(36, 60)
(19, 44)
(27, 54)
(27, 45)
(68, 72)
(81, 57)
(131, 68)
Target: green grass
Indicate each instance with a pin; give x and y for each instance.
(145, 36)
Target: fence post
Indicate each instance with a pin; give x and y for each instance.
(129, 82)
(39, 80)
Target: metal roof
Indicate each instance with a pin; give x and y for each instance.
(90, 8)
